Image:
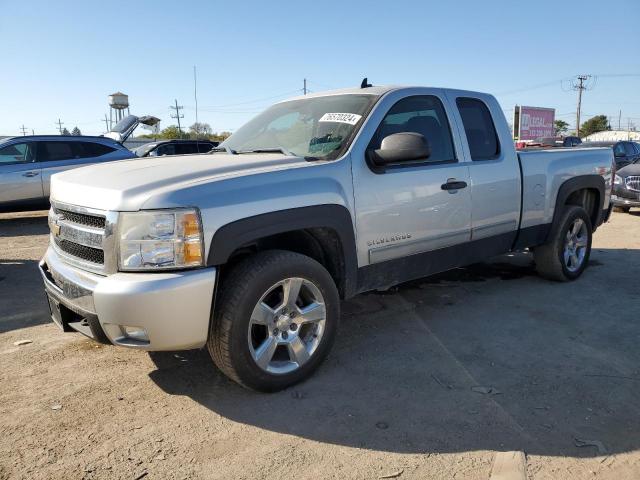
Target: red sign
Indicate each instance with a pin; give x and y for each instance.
(535, 122)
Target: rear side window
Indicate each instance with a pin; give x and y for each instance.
(89, 149)
(479, 128)
(419, 114)
(186, 148)
(205, 147)
(619, 150)
(52, 151)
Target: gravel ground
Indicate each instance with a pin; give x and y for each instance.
(429, 380)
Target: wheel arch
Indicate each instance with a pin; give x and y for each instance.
(322, 232)
(587, 191)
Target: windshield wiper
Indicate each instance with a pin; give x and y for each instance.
(282, 150)
(228, 150)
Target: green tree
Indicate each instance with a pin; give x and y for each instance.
(220, 137)
(200, 130)
(599, 123)
(76, 131)
(560, 127)
(171, 132)
(65, 131)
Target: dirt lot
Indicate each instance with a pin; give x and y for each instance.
(398, 396)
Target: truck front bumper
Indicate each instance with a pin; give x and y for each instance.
(148, 311)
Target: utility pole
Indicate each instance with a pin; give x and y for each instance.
(24, 130)
(59, 123)
(195, 90)
(619, 119)
(580, 86)
(178, 115)
(304, 88)
(106, 123)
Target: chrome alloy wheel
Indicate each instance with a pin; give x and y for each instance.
(575, 245)
(287, 325)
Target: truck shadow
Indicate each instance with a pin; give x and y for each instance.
(461, 362)
(24, 224)
(17, 309)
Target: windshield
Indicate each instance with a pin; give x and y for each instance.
(142, 150)
(318, 127)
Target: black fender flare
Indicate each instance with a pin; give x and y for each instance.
(233, 235)
(594, 182)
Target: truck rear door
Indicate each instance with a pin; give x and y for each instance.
(493, 168)
(408, 208)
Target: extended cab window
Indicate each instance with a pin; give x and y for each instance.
(479, 128)
(419, 114)
(16, 153)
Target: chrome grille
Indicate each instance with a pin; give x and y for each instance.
(633, 183)
(83, 237)
(88, 254)
(81, 218)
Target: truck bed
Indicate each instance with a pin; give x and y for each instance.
(544, 170)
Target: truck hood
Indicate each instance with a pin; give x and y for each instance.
(127, 184)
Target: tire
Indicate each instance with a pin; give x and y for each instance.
(621, 209)
(251, 308)
(550, 259)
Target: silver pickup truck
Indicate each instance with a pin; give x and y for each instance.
(249, 249)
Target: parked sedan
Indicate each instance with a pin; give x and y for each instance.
(175, 147)
(625, 152)
(27, 163)
(626, 187)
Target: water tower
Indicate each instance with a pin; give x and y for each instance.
(118, 103)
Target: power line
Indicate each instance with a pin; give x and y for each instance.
(580, 86)
(178, 115)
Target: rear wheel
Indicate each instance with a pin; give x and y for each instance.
(566, 255)
(275, 320)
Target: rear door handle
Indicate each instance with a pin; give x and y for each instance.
(453, 184)
(30, 174)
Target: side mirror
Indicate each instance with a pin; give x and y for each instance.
(402, 147)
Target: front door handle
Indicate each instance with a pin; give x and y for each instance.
(30, 174)
(453, 184)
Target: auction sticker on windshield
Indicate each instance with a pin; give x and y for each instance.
(350, 118)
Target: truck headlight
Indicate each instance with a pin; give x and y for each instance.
(160, 239)
(617, 180)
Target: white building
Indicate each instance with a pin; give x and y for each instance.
(612, 136)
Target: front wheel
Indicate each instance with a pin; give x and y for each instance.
(565, 256)
(275, 320)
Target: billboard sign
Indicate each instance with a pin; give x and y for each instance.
(533, 122)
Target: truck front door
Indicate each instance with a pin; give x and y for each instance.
(408, 209)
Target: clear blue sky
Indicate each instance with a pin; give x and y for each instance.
(62, 58)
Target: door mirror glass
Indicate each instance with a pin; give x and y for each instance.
(402, 147)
